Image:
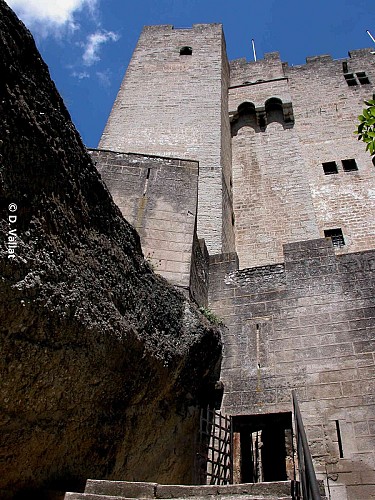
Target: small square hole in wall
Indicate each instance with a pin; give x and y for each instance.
(186, 51)
(330, 167)
(336, 236)
(349, 165)
(350, 79)
(363, 78)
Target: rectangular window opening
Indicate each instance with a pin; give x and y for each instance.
(345, 67)
(186, 51)
(363, 78)
(350, 79)
(349, 165)
(338, 432)
(330, 167)
(336, 236)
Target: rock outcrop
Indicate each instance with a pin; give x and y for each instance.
(103, 364)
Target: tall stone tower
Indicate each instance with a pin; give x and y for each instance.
(173, 102)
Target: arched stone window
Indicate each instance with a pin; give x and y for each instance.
(246, 108)
(245, 116)
(274, 110)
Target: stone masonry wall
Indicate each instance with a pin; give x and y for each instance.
(326, 111)
(280, 191)
(226, 160)
(158, 196)
(316, 325)
(199, 272)
(172, 105)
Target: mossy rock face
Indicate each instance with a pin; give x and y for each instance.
(103, 364)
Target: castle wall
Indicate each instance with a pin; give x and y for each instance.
(305, 324)
(158, 196)
(174, 105)
(280, 191)
(300, 312)
(326, 112)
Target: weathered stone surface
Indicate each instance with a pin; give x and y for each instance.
(163, 108)
(95, 490)
(125, 489)
(274, 489)
(307, 325)
(103, 363)
(159, 197)
(280, 191)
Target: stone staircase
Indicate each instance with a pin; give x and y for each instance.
(123, 490)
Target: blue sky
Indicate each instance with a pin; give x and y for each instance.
(87, 44)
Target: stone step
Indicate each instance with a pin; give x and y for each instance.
(116, 490)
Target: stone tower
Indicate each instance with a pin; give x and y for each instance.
(173, 102)
(286, 206)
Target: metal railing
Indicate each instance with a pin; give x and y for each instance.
(309, 483)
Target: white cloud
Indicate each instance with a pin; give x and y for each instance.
(46, 16)
(92, 46)
(80, 74)
(104, 77)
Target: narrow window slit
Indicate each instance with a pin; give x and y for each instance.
(338, 431)
(146, 181)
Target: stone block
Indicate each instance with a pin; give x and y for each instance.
(363, 492)
(121, 488)
(179, 491)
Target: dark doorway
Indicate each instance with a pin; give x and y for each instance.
(263, 447)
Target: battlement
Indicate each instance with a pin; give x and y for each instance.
(195, 27)
(271, 57)
(271, 67)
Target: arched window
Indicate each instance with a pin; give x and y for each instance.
(245, 116)
(274, 110)
(246, 108)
